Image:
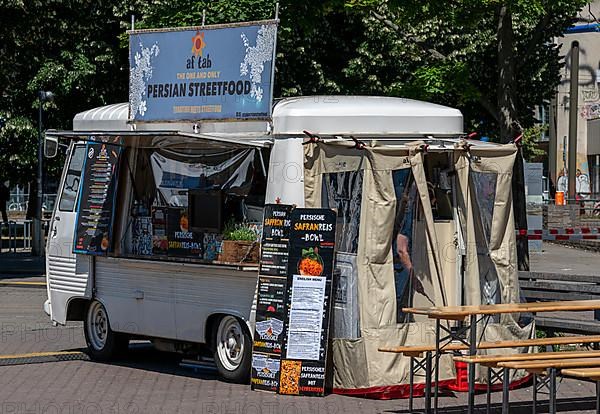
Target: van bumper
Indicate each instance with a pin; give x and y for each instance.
(47, 307)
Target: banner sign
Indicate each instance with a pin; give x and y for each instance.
(221, 72)
(95, 208)
(270, 310)
(308, 302)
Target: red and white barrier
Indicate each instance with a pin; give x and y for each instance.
(581, 233)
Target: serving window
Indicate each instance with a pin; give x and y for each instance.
(190, 200)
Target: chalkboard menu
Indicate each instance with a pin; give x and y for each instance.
(272, 280)
(95, 208)
(181, 241)
(307, 302)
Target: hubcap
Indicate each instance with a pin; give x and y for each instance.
(97, 326)
(230, 343)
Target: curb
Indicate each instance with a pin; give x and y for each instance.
(580, 244)
(30, 285)
(43, 357)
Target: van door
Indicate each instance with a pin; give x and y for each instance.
(67, 274)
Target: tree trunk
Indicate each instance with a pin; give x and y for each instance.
(506, 75)
(509, 126)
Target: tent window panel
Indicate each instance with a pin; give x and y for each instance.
(402, 244)
(483, 185)
(438, 171)
(343, 191)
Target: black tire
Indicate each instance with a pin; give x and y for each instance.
(103, 343)
(233, 356)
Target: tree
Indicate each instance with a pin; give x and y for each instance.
(495, 59)
(68, 47)
(316, 39)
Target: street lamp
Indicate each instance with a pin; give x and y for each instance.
(38, 227)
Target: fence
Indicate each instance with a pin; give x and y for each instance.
(18, 235)
(19, 201)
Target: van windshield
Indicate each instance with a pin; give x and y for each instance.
(72, 179)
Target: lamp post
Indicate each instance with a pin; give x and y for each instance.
(38, 227)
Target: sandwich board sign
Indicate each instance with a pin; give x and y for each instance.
(308, 302)
(294, 300)
(270, 306)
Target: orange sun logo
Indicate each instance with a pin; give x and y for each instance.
(198, 44)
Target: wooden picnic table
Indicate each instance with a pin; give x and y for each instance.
(550, 368)
(460, 313)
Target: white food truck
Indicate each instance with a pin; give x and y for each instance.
(213, 174)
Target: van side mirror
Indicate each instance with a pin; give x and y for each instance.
(50, 146)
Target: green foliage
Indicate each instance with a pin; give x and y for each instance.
(531, 137)
(18, 144)
(238, 232)
(67, 47)
(448, 52)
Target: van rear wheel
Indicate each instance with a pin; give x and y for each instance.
(103, 343)
(233, 349)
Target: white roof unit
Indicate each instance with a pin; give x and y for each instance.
(115, 118)
(104, 118)
(369, 116)
(364, 115)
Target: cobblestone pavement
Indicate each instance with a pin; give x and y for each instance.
(149, 381)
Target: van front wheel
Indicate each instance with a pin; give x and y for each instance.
(233, 350)
(103, 343)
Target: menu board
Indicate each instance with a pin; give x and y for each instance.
(182, 242)
(275, 240)
(95, 208)
(272, 281)
(308, 302)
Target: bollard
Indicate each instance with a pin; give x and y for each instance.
(12, 236)
(27, 234)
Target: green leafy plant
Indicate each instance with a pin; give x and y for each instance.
(238, 232)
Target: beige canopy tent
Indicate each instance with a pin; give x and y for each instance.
(423, 223)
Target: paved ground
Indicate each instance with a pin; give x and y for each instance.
(556, 258)
(148, 381)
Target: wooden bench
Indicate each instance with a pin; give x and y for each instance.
(541, 367)
(537, 286)
(549, 368)
(493, 361)
(591, 374)
(417, 351)
(474, 314)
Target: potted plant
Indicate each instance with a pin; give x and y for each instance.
(240, 244)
